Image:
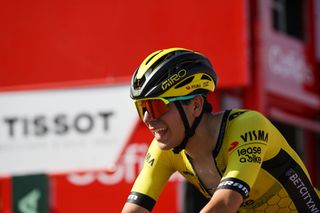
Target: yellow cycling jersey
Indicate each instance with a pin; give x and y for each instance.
(252, 158)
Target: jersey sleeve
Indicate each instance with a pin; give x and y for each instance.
(155, 173)
(246, 139)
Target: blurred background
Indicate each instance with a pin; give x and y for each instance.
(70, 139)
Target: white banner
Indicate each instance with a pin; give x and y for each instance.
(64, 130)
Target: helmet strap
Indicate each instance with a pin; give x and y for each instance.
(189, 132)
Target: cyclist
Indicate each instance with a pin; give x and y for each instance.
(236, 158)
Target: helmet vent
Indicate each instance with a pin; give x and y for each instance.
(184, 82)
(205, 77)
(139, 82)
(152, 57)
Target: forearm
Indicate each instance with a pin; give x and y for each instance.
(217, 209)
(133, 208)
(223, 200)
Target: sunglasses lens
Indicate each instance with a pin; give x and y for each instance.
(155, 108)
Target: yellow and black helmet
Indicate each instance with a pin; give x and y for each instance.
(171, 73)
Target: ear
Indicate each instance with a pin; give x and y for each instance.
(197, 105)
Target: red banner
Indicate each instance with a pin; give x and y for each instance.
(94, 194)
(82, 42)
(6, 195)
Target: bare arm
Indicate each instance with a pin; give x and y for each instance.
(223, 200)
(133, 208)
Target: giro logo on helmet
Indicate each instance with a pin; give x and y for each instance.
(173, 79)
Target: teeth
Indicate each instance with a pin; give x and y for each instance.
(158, 130)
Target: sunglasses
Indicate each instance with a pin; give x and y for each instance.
(156, 107)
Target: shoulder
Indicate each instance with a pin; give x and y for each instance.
(246, 117)
(154, 151)
(246, 126)
(159, 157)
(244, 114)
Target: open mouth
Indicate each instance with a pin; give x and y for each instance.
(159, 133)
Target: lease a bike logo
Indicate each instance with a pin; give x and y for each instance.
(250, 154)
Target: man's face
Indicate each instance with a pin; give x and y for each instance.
(168, 129)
